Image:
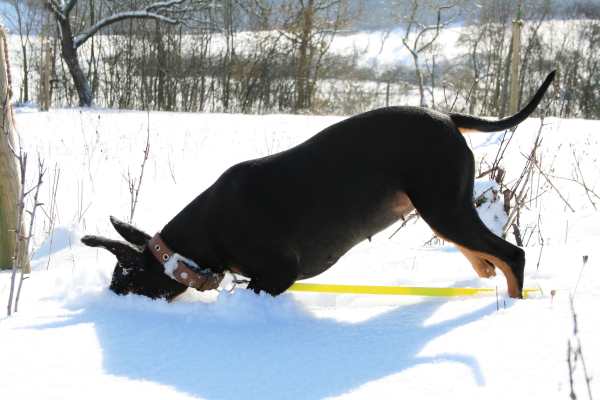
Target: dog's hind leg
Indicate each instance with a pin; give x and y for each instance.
(482, 267)
(461, 225)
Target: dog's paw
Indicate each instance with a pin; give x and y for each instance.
(488, 271)
(485, 270)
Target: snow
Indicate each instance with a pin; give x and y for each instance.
(491, 210)
(72, 337)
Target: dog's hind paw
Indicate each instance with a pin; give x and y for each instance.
(485, 270)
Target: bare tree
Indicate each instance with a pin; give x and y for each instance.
(424, 38)
(26, 17)
(168, 12)
(311, 27)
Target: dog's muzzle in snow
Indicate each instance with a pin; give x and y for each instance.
(182, 269)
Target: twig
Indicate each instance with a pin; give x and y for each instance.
(537, 267)
(501, 151)
(519, 201)
(522, 182)
(540, 235)
(587, 191)
(585, 260)
(25, 243)
(554, 187)
(563, 178)
(134, 186)
(435, 239)
(480, 199)
(170, 162)
(570, 363)
(457, 93)
(575, 355)
(517, 234)
(22, 159)
(410, 217)
(53, 211)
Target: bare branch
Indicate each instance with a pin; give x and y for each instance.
(437, 27)
(56, 9)
(134, 186)
(68, 7)
(590, 191)
(164, 4)
(24, 244)
(404, 222)
(553, 187)
(575, 355)
(85, 35)
(587, 190)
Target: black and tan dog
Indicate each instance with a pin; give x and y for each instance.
(292, 215)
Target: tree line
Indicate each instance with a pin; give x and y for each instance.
(259, 56)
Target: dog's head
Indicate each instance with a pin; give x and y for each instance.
(137, 271)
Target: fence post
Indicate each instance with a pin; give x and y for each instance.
(9, 175)
(44, 100)
(513, 105)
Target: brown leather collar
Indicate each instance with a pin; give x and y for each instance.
(183, 270)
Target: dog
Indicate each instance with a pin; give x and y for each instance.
(291, 215)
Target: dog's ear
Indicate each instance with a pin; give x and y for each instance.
(127, 255)
(130, 233)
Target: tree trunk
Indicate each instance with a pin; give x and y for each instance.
(25, 96)
(69, 54)
(304, 58)
(45, 72)
(387, 93)
(420, 83)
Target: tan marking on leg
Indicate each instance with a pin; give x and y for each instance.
(466, 131)
(511, 279)
(481, 267)
(401, 204)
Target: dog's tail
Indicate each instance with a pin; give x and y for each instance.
(467, 123)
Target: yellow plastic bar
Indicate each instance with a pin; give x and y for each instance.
(396, 290)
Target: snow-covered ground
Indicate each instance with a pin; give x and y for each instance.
(72, 338)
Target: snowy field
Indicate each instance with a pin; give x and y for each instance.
(378, 50)
(72, 338)
(374, 48)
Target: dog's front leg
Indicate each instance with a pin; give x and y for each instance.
(274, 283)
(275, 276)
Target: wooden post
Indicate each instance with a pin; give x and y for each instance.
(10, 186)
(513, 105)
(9, 176)
(44, 100)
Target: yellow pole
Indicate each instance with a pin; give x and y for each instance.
(397, 290)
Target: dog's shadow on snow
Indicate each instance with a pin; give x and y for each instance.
(250, 347)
